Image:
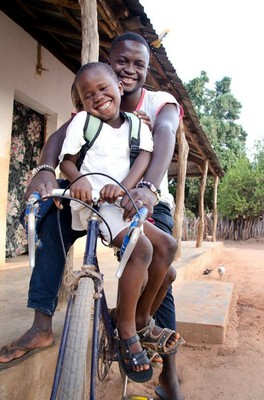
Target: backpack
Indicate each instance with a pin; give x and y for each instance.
(92, 128)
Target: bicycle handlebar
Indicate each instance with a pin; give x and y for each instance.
(31, 214)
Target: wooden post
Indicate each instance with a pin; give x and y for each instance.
(90, 37)
(200, 228)
(215, 213)
(183, 150)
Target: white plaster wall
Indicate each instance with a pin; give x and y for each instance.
(48, 93)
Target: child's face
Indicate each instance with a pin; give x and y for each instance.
(100, 94)
(130, 60)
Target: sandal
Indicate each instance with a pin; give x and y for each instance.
(128, 360)
(28, 353)
(158, 342)
(154, 358)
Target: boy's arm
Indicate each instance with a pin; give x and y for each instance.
(111, 191)
(81, 189)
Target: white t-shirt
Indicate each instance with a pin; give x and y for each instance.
(151, 103)
(109, 154)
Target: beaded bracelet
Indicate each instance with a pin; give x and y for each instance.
(152, 187)
(42, 167)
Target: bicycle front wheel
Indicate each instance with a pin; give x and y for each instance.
(73, 375)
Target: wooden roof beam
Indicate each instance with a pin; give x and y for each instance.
(74, 5)
(58, 31)
(69, 18)
(26, 9)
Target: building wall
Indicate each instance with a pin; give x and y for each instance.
(48, 93)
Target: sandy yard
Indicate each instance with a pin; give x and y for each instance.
(234, 370)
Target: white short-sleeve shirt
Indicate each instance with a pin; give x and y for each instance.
(151, 103)
(109, 154)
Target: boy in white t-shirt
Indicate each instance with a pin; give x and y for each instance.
(100, 92)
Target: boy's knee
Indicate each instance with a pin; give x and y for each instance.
(171, 275)
(166, 249)
(144, 250)
(169, 248)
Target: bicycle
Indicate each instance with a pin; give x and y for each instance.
(87, 294)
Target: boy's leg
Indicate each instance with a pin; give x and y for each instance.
(129, 290)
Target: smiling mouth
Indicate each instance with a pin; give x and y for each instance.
(127, 80)
(104, 106)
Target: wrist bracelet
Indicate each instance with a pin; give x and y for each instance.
(42, 167)
(151, 187)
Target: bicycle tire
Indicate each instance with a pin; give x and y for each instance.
(73, 375)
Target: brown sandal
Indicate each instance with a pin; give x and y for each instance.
(158, 342)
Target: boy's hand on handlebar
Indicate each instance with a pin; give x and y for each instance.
(82, 190)
(111, 192)
(139, 195)
(43, 183)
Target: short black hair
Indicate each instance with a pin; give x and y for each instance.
(130, 36)
(95, 65)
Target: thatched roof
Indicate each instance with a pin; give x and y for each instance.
(56, 24)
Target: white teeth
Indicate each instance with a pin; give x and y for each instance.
(127, 80)
(104, 106)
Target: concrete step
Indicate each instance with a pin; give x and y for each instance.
(203, 310)
(195, 260)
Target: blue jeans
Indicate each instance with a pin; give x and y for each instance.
(49, 265)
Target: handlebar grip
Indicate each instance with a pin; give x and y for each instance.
(130, 239)
(35, 196)
(61, 192)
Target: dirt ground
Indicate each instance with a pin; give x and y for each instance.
(234, 370)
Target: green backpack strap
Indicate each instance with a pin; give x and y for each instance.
(134, 135)
(92, 128)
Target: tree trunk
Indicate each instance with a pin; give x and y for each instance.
(215, 213)
(200, 228)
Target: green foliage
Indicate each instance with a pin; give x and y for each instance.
(258, 159)
(241, 192)
(218, 111)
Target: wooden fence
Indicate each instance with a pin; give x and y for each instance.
(238, 229)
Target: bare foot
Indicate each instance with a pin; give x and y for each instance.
(32, 339)
(168, 379)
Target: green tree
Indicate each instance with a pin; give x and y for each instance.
(218, 111)
(258, 156)
(241, 191)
